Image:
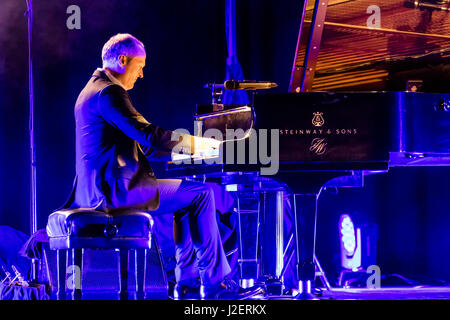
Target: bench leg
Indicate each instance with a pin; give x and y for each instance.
(140, 265)
(77, 260)
(61, 257)
(123, 274)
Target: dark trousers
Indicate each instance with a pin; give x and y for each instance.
(198, 247)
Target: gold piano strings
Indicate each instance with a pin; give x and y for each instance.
(384, 30)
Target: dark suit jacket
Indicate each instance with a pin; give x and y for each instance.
(113, 142)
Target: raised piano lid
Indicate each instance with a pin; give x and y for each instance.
(377, 45)
(380, 45)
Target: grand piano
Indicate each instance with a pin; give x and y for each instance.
(336, 125)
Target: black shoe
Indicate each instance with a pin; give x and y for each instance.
(183, 292)
(228, 290)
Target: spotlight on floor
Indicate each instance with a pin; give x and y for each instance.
(358, 243)
(350, 243)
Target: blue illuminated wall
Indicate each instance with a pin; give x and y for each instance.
(186, 49)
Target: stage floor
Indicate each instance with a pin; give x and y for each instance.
(387, 293)
(399, 293)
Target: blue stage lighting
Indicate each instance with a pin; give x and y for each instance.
(350, 238)
(348, 234)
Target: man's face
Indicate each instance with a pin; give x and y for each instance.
(133, 69)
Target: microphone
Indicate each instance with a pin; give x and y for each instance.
(248, 85)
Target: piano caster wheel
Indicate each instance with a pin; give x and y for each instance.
(305, 292)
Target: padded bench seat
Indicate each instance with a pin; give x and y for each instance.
(78, 229)
(85, 228)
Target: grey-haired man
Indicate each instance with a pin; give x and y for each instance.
(113, 144)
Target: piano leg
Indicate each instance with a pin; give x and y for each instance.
(305, 206)
(307, 187)
(271, 240)
(265, 208)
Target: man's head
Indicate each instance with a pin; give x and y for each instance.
(124, 56)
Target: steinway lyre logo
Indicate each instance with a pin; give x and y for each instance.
(318, 120)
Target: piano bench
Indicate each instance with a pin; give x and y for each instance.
(73, 230)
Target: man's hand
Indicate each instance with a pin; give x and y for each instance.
(194, 147)
(206, 147)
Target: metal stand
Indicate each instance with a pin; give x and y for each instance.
(33, 201)
(321, 273)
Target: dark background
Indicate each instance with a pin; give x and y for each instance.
(186, 48)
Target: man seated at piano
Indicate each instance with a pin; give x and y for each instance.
(113, 144)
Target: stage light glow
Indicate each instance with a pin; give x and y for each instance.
(350, 238)
(348, 234)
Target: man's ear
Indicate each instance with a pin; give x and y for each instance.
(123, 60)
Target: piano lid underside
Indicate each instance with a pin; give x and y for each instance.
(355, 57)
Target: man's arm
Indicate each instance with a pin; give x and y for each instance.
(116, 108)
